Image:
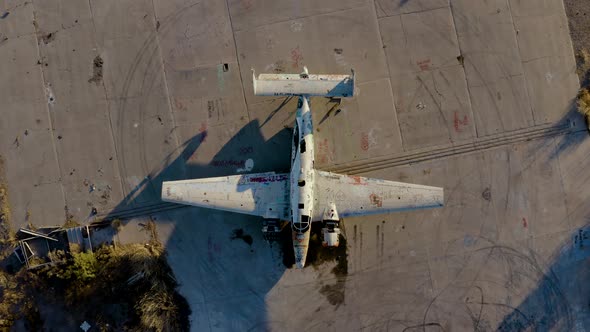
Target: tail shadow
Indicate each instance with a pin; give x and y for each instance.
(561, 298)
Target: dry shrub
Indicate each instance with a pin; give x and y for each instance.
(146, 259)
(17, 301)
(6, 233)
(584, 102)
(71, 223)
(117, 225)
(97, 287)
(584, 57)
(158, 311)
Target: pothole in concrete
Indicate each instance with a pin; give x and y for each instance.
(48, 38)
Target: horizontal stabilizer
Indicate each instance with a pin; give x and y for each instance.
(304, 84)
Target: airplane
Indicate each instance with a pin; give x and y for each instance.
(306, 194)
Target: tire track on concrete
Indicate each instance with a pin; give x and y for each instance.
(452, 150)
(123, 99)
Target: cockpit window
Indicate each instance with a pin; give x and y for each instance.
(303, 225)
(302, 146)
(295, 135)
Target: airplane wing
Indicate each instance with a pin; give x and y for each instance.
(262, 194)
(358, 196)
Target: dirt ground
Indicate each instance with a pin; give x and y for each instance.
(578, 13)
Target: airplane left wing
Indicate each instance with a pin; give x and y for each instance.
(262, 194)
(358, 196)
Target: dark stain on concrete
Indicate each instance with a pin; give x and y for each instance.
(97, 70)
(239, 234)
(487, 194)
(48, 38)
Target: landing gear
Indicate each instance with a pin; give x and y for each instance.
(271, 230)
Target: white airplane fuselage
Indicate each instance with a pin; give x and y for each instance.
(302, 181)
(264, 194)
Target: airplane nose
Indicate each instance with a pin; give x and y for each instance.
(300, 263)
(300, 256)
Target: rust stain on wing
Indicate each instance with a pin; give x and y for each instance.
(376, 200)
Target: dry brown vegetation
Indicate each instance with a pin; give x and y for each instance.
(584, 102)
(130, 287)
(17, 300)
(583, 62)
(583, 71)
(70, 223)
(6, 232)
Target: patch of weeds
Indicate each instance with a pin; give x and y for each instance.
(583, 67)
(583, 101)
(128, 288)
(6, 231)
(18, 300)
(71, 223)
(150, 227)
(117, 225)
(583, 105)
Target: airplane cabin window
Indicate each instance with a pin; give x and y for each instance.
(302, 146)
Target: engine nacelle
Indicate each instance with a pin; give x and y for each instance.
(271, 230)
(331, 234)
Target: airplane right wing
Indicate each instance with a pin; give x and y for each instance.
(358, 196)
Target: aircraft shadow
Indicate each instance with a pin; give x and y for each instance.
(224, 266)
(561, 298)
(576, 122)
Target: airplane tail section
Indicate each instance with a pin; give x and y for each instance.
(303, 84)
